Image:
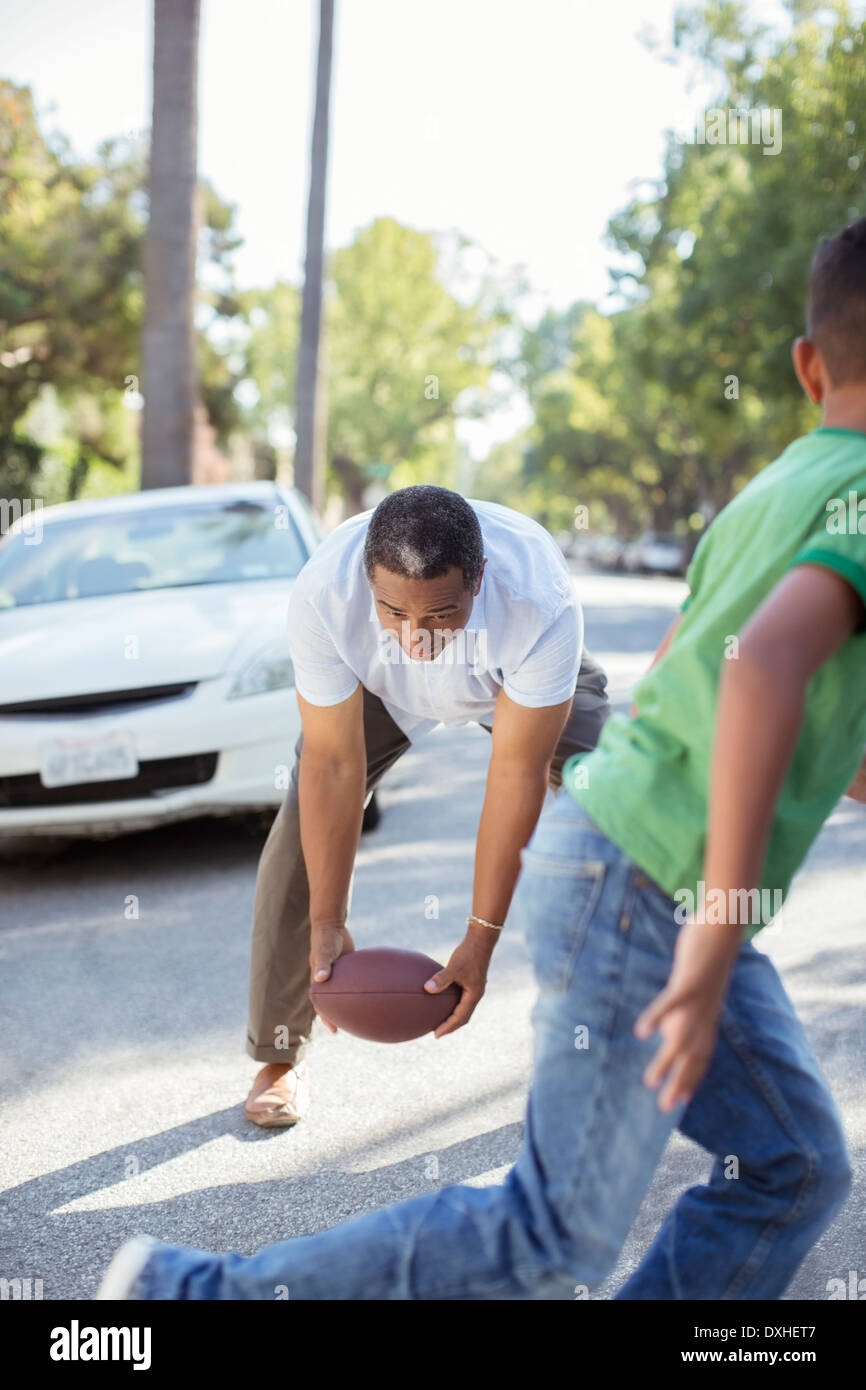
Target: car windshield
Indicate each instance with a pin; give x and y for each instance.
(152, 548)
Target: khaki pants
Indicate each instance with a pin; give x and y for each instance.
(281, 1015)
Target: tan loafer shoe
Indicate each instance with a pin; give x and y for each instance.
(281, 1103)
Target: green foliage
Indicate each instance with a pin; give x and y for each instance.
(650, 416)
(404, 355)
(402, 350)
(69, 290)
(660, 417)
(71, 304)
(271, 350)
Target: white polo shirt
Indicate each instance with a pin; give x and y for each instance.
(524, 633)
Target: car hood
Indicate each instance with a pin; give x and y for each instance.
(181, 635)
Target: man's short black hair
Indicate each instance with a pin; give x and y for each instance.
(420, 532)
(837, 303)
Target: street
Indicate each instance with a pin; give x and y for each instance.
(124, 993)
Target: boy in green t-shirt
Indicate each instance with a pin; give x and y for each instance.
(640, 892)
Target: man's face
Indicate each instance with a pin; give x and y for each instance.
(423, 614)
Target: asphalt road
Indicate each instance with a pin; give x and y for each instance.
(123, 1069)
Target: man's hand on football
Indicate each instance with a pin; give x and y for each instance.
(467, 968)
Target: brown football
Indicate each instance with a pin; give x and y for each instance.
(379, 994)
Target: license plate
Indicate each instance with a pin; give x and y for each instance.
(103, 758)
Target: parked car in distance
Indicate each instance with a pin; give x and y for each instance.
(597, 551)
(608, 552)
(656, 553)
(146, 672)
(567, 542)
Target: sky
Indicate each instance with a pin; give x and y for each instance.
(523, 123)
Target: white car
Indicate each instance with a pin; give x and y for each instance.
(144, 665)
(655, 553)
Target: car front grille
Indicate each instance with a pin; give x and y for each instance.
(100, 702)
(162, 774)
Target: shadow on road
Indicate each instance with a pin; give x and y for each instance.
(212, 1217)
(193, 842)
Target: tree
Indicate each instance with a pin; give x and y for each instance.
(726, 242)
(310, 388)
(407, 357)
(663, 415)
(168, 343)
(71, 302)
(70, 235)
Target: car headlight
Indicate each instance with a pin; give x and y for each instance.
(270, 669)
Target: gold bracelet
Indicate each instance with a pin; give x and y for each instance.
(482, 922)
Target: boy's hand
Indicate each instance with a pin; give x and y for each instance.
(687, 1011)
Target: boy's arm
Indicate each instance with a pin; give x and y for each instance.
(663, 646)
(666, 641)
(806, 618)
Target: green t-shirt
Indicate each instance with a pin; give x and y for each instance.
(646, 784)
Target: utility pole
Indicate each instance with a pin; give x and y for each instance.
(168, 354)
(309, 393)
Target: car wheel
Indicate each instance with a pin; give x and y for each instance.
(256, 824)
(31, 851)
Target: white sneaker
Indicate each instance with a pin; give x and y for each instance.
(126, 1264)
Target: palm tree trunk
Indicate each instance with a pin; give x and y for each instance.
(309, 392)
(168, 344)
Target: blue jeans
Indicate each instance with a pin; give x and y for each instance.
(601, 936)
